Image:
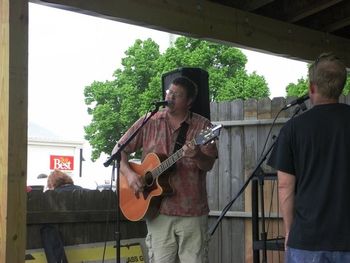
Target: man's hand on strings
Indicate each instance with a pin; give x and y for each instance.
(190, 150)
(135, 183)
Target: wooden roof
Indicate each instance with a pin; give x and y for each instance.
(327, 16)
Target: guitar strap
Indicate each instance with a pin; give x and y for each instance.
(181, 137)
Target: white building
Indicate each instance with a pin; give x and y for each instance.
(47, 152)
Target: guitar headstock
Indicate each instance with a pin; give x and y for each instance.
(207, 135)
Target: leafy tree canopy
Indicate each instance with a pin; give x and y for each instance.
(115, 105)
(301, 87)
(298, 89)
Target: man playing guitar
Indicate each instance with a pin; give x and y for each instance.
(179, 231)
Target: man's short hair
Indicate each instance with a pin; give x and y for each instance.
(328, 72)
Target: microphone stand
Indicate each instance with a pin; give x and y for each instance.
(116, 158)
(257, 172)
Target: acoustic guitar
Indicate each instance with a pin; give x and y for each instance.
(157, 181)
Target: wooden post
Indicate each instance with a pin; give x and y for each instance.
(13, 131)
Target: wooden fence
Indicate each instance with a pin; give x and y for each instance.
(241, 143)
(81, 216)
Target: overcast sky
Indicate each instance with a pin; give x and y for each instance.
(68, 51)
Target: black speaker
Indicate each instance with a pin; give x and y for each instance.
(200, 77)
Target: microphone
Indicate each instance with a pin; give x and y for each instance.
(296, 101)
(160, 103)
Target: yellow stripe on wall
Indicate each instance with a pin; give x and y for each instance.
(92, 253)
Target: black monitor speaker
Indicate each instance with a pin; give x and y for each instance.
(199, 76)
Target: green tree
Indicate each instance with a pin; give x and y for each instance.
(112, 104)
(298, 89)
(225, 65)
(243, 86)
(115, 105)
(301, 87)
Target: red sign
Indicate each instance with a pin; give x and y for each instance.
(61, 162)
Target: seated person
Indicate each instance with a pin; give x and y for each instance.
(61, 182)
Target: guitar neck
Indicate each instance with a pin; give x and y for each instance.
(165, 165)
(170, 161)
(203, 138)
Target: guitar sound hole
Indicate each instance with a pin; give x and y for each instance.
(148, 179)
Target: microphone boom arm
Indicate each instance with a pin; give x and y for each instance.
(116, 155)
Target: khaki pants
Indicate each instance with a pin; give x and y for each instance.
(174, 239)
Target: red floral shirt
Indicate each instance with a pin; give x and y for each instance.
(187, 180)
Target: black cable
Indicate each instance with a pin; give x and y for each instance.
(262, 158)
(227, 207)
(301, 107)
(268, 135)
(107, 215)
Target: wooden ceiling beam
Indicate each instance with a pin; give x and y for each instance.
(311, 10)
(256, 4)
(211, 21)
(252, 5)
(337, 25)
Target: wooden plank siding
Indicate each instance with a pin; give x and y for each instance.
(246, 126)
